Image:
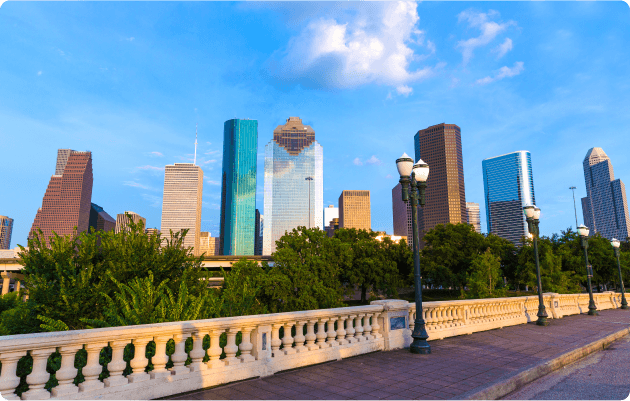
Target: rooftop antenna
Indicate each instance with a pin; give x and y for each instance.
(195, 161)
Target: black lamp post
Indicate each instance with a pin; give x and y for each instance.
(583, 231)
(413, 179)
(615, 243)
(532, 213)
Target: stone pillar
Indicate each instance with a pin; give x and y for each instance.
(394, 323)
(5, 283)
(67, 372)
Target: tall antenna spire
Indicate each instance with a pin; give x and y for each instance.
(195, 161)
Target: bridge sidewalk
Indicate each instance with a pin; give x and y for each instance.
(458, 367)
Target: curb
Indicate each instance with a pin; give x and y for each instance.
(501, 388)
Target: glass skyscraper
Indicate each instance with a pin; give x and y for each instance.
(508, 185)
(605, 207)
(294, 182)
(238, 187)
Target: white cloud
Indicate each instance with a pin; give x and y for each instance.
(503, 72)
(159, 154)
(213, 182)
(373, 160)
(357, 162)
(389, 176)
(209, 161)
(130, 39)
(39, 73)
(135, 184)
(154, 201)
(151, 168)
(503, 48)
(404, 90)
(489, 31)
(349, 51)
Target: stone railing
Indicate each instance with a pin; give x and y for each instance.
(250, 346)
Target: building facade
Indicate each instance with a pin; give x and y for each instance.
(68, 199)
(260, 226)
(354, 210)
(6, 229)
(100, 220)
(294, 182)
(152, 231)
(181, 204)
(474, 215)
(123, 219)
(508, 186)
(330, 213)
(605, 207)
(403, 223)
(440, 146)
(208, 244)
(238, 187)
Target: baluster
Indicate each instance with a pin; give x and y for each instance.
(117, 365)
(299, 336)
(367, 327)
(358, 327)
(341, 333)
(197, 353)
(139, 361)
(321, 333)
(230, 348)
(350, 330)
(332, 333)
(439, 317)
(412, 320)
(287, 339)
(92, 368)
(246, 345)
(449, 316)
(180, 355)
(375, 326)
(9, 380)
(310, 335)
(160, 359)
(275, 339)
(67, 372)
(39, 376)
(215, 351)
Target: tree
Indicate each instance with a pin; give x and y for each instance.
(242, 288)
(370, 266)
(485, 276)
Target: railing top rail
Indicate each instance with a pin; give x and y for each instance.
(103, 335)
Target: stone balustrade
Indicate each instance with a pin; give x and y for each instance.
(252, 346)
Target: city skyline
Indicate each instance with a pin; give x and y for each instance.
(132, 92)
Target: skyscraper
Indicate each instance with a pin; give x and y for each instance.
(100, 220)
(68, 198)
(402, 215)
(354, 210)
(208, 244)
(238, 187)
(123, 219)
(6, 228)
(440, 146)
(605, 207)
(260, 225)
(294, 182)
(508, 185)
(329, 214)
(474, 215)
(181, 205)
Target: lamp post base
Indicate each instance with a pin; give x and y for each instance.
(624, 307)
(542, 321)
(420, 347)
(593, 312)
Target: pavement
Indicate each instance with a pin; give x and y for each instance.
(485, 365)
(603, 375)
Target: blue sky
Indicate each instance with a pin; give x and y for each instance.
(129, 80)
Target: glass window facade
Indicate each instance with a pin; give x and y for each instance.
(238, 188)
(508, 186)
(292, 200)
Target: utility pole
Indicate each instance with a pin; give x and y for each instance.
(574, 207)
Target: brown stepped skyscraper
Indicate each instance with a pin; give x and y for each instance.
(67, 200)
(440, 146)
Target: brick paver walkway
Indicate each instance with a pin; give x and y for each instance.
(456, 365)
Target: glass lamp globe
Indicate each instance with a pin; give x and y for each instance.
(582, 230)
(536, 213)
(529, 211)
(422, 171)
(404, 164)
(615, 243)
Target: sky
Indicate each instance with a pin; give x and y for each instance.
(129, 81)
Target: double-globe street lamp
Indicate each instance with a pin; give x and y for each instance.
(583, 232)
(413, 179)
(615, 243)
(532, 213)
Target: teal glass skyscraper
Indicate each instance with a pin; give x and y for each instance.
(508, 185)
(238, 187)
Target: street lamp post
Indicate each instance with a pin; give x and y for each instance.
(309, 179)
(615, 243)
(413, 179)
(532, 213)
(583, 231)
